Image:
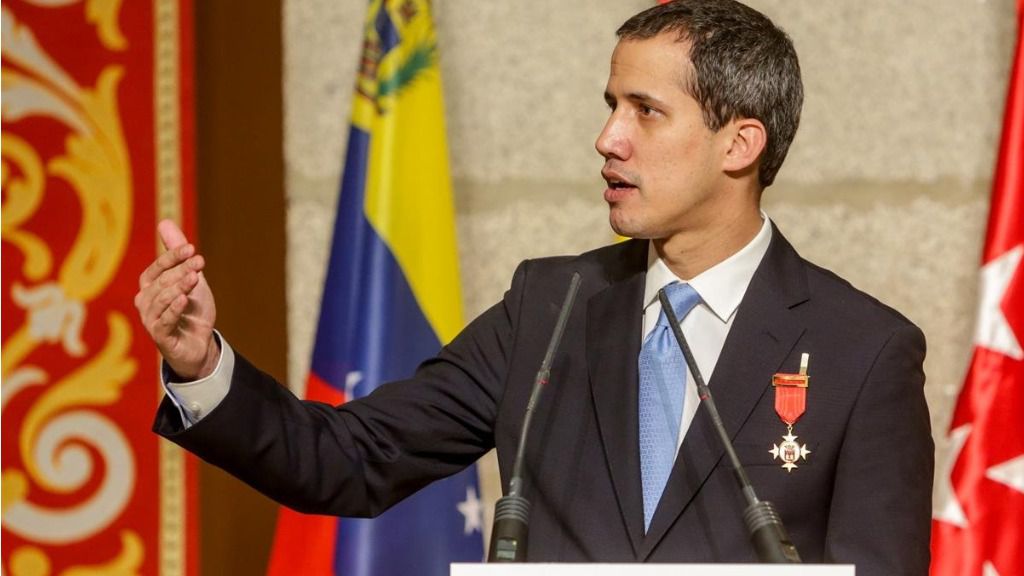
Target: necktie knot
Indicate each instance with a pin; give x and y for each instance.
(683, 298)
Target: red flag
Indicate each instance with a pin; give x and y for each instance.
(978, 514)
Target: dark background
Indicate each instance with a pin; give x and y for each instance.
(241, 220)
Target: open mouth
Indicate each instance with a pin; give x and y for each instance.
(618, 187)
(615, 180)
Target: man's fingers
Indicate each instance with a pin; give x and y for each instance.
(167, 322)
(175, 275)
(178, 249)
(170, 234)
(163, 299)
(169, 260)
(173, 298)
(148, 295)
(170, 277)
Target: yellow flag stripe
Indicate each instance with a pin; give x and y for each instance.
(408, 197)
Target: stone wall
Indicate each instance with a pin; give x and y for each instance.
(886, 184)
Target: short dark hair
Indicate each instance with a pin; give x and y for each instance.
(744, 67)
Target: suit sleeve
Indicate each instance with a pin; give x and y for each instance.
(360, 458)
(887, 458)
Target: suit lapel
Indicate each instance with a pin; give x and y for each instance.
(762, 336)
(613, 345)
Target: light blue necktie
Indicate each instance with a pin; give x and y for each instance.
(662, 388)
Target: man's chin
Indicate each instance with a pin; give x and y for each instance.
(627, 229)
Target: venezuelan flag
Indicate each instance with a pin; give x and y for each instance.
(391, 299)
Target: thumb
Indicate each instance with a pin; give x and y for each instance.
(170, 234)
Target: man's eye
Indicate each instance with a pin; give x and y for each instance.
(646, 110)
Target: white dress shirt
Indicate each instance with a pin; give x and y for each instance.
(197, 398)
(720, 287)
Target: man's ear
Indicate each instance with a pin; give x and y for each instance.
(749, 139)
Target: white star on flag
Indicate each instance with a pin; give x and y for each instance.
(472, 510)
(993, 331)
(352, 379)
(1010, 473)
(945, 504)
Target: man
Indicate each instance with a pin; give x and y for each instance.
(622, 464)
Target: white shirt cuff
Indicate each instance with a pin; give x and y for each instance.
(195, 399)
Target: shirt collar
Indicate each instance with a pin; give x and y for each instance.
(722, 286)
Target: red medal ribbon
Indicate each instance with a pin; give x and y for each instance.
(790, 396)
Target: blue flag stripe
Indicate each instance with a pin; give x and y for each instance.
(370, 323)
(421, 535)
(369, 319)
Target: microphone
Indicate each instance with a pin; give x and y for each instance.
(512, 512)
(769, 536)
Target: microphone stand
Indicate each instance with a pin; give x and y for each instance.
(769, 536)
(512, 512)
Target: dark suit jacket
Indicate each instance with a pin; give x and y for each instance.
(863, 494)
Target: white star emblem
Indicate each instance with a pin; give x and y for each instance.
(790, 452)
(472, 510)
(989, 570)
(993, 331)
(352, 379)
(945, 504)
(1010, 473)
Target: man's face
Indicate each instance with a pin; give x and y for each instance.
(662, 164)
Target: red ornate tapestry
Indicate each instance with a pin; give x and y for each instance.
(97, 137)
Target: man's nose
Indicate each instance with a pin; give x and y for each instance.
(613, 142)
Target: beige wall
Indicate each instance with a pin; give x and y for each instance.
(887, 182)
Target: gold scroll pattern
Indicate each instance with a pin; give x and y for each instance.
(62, 421)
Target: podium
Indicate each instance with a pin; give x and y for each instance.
(652, 569)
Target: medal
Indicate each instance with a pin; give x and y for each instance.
(790, 405)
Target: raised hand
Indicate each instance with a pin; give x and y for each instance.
(177, 308)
